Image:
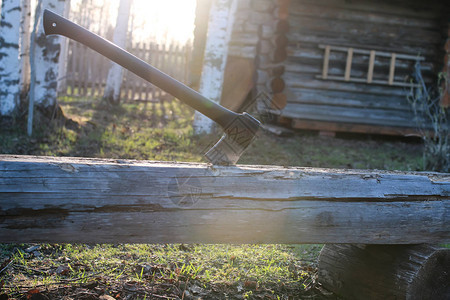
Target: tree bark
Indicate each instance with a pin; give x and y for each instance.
(62, 66)
(386, 271)
(220, 26)
(115, 73)
(46, 59)
(25, 22)
(48, 199)
(10, 63)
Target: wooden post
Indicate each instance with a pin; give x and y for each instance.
(79, 200)
(386, 271)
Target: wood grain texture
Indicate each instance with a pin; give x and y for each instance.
(352, 127)
(368, 116)
(48, 199)
(356, 85)
(385, 271)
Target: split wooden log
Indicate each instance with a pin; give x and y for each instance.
(386, 271)
(81, 200)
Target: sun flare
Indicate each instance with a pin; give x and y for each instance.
(161, 21)
(168, 20)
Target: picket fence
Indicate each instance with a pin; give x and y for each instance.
(87, 71)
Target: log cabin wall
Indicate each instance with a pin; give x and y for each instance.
(314, 101)
(256, 54)
(278, 47)
(253, 53)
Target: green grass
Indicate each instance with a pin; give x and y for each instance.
(208, 270)
(136, 131)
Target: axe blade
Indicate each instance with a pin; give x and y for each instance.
(239, 133)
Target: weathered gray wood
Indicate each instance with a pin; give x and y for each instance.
(371, 14)
(382, 31)
(386, 271)
(47, 199)
(414, 9)
(308, 81)
(344, 99)
(349, 114)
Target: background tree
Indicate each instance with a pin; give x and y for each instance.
(46, 57)
(10, 63)
(24, 57)
(114, 80)
(216, 51)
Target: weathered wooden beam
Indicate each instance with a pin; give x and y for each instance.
(49, 199)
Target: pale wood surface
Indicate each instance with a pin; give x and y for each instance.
(238, 82)
(48, 199)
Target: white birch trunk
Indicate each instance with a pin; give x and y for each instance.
(25, 44)
(216, 51)
(46, 58)
(10, 66)
(62, 66)
(114, 80)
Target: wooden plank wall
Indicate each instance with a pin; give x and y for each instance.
(409, 27)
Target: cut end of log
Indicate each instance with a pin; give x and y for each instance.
(277, 85)
(279, 101)
(282, 26)
(386, 271)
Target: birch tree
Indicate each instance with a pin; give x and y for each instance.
(46, 57)
(220, 26)
(25, 21)
(10, 64)
(62, 66)
(115, 73)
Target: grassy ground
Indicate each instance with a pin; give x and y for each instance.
(137, 131)
(160, 271)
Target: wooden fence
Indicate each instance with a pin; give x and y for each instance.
(87, 71)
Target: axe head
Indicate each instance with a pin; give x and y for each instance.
(239, 133)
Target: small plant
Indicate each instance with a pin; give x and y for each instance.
(432, 120)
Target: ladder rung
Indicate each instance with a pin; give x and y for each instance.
(392, 69)
(371, 66)
(325, 62)
(348, 67)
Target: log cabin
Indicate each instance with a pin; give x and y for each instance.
(332, 65)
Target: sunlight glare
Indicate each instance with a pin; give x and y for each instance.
(168, 20)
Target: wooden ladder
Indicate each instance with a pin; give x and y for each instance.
(370, 70)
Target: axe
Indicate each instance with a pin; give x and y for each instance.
(239, 128)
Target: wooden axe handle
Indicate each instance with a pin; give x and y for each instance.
(55, 24)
